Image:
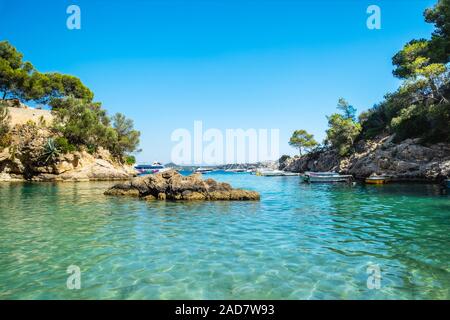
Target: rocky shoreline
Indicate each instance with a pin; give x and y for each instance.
(76, 166)
(22, 160)
(407, 161)
(170, 185)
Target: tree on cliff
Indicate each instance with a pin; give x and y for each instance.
(439, 46)
(77, 119)
(87, 124)
(84, 123)
(20, 80)
(302, 140)
(127, 137)
(343, 129)
(420, 108)
(14, 72)
(349, 112)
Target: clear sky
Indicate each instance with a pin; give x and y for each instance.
(231, 64)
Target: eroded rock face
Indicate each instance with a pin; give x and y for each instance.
(23, 158)
(407, 161)
(170, 185)
(23, 161)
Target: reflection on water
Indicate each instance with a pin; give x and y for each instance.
(299, 242)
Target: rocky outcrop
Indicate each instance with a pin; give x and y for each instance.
(23, 160)
(171, 185)
(76, 166)
(405, 161)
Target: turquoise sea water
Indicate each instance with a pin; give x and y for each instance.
(299, 242)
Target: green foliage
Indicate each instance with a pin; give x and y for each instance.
(64, 146)
(439, 44)
(342, 133)
(343, 128)
(420, 107)
(410, 58)
(130, 160)
(5, 120)
(61, 85)
(302, 140)
(282, 159)
(349, 112)
(42, 122)
(50, 152)
(83, 123)
(14, 72)
(87, 124)
(19, 79)
(5, 140)
(127, 137)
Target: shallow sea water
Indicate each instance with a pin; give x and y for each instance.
(299, 242)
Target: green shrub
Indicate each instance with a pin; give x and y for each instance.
(5, 120)
(125, 136)
(91, 149)
(42, 122)
(343, 129)
(64, 146)
(5, 140)
(87, 124)
(50, 152)
(130, 160)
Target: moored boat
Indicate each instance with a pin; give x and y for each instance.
(376, 179)
(448, 183)
(290, 174)
(150, 168)
(274, 173)
(237, 170)
(204, 170)
(325, 177)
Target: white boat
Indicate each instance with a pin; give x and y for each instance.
(274, 173)
(204, 170)
(238, 170)
(325, 177)
(290, 174)
(156, 167)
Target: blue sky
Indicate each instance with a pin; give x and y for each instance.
(231, 64)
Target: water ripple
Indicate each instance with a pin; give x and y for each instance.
(300, 242)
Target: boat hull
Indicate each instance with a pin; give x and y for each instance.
(276, 173)
(326, 178)
(151, 171)
(448, 183)
(376, 181)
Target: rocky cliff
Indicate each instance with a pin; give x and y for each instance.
(23, 160)
(405, 161)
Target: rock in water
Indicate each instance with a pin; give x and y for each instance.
(170, 185)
